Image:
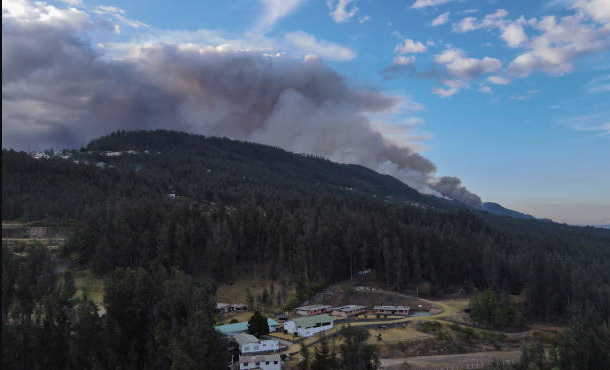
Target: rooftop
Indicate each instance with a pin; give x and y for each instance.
(259, 358)
(240, 326)
(313, 307)
(392, 307)
(242, 338)
(308, 321)
(350, 307)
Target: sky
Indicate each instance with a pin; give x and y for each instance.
(503, 101)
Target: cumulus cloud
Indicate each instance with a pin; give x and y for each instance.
(512, 32)
(341, 11)
(452, 187)
(452, 87)
(560, 42)
(485, 90)
(598, 10)
(59, 91)
(441, 19)
(458, 65)
(419, 4)
(409, 46)
(498, 80)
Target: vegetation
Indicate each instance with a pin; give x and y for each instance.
(493, 310)
(153, 320)
(257, 325)
(308, 221)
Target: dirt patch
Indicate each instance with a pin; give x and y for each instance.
(366, 295)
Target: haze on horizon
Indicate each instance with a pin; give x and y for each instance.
(471, 100)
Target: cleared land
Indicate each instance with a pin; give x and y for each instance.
(460, 361)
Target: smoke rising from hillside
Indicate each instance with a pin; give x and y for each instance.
(58, 91)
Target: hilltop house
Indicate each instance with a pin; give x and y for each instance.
(234, 307)
(242, 327)
(392, 310)
(349, 311)
(315, 309)
(309, 325)
(263, 362)
(249, 344)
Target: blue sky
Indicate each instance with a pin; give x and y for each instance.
(511, 96)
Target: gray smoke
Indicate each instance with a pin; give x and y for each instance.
(451, 187)
(58, 91)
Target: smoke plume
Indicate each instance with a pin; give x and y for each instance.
(60, 91)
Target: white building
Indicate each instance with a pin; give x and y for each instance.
(249, 344)
(310, 325)
(314, 309)
(263, 362)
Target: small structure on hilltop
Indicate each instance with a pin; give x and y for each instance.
(242, 327)
(249, 344)
(263, 362)
(314, 309)
(349, 311)
(392, 310)
(310, 325)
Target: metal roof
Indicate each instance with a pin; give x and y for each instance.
(312, 307)
(259, 358)
(242, 338)
(240, 326)
(308, 321)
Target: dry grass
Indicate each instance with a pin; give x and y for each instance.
(237, 292)
(396, 335)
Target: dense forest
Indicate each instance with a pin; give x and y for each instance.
(180, 208)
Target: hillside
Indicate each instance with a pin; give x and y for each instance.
(215, 208)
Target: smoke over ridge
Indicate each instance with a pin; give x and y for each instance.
(59, 91)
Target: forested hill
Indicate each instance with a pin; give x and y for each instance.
(306, 219)
(187, 159)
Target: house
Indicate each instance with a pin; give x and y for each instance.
(315, 309)
(242, 327)
(349, 311)
(309, 325)
(249, 344)
(263, 362)
(226, 307)
(392, 310)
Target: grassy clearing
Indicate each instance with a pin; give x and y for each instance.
(237, 292)
(86, 282)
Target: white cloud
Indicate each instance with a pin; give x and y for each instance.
(119, 15)
(458, 65)
(308, 44)
(559, 43)
(409, 46)
(453, 86)
(598, 10)
(342, 12)
(513, 34)
(498, 80)
(273, 10)
(441, 19)
(525, 96)
(419, 4)
(485, 90)
(364, 19)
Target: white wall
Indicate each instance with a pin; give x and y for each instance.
(263, 365)
(262, 346)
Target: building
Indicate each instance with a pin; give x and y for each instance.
(309, 325)
(315, 309)
(392, 310)
(349, 311)
(242, 327)
(263, 362)
(249, 344)
(235, 307)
